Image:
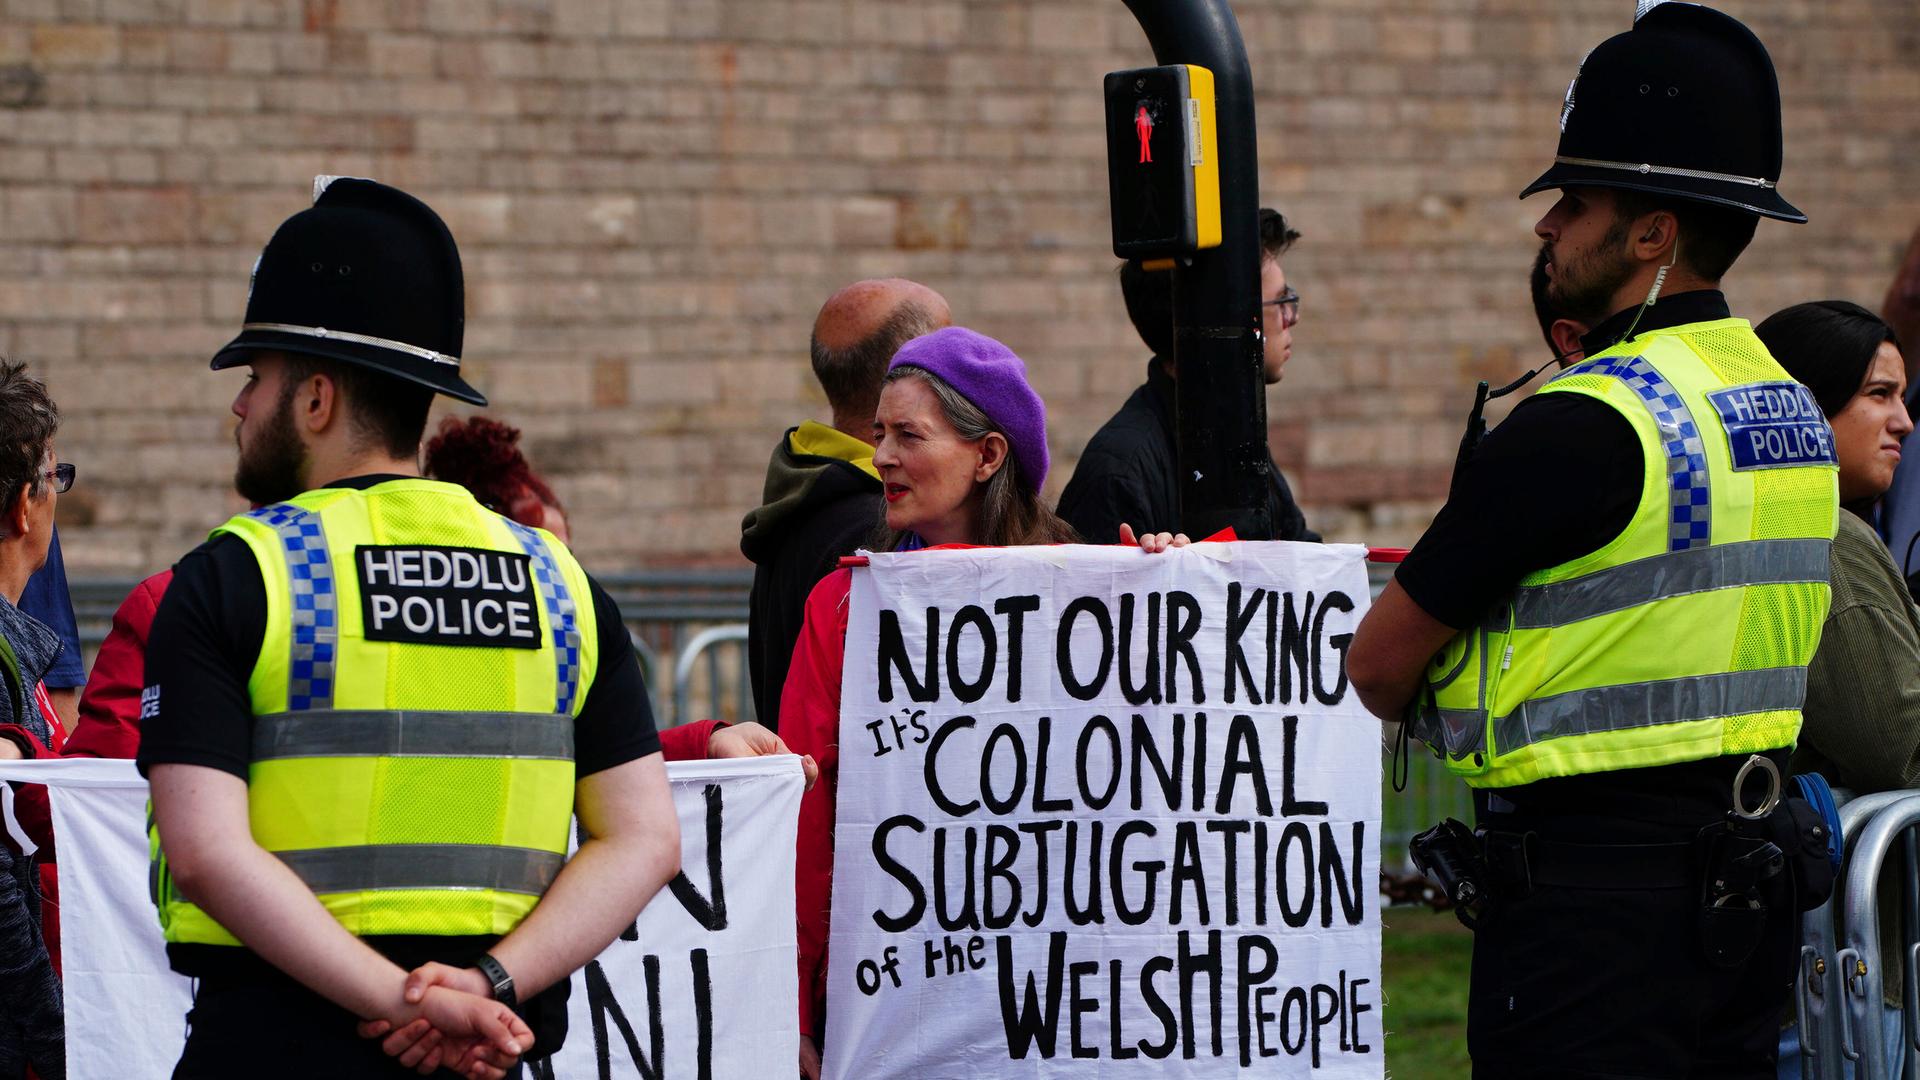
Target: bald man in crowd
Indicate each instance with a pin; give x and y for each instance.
(822, 497)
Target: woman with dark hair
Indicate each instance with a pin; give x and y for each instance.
(1862, 714)
(1861, 720)
(962, 452)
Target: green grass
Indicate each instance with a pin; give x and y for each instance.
(1424, 960)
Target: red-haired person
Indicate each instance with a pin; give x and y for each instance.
(483, 455)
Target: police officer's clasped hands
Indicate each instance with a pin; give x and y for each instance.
(459, 1026)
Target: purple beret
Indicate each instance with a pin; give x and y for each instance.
(988, 374)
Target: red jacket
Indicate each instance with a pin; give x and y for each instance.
(810, 724)
(109, 724)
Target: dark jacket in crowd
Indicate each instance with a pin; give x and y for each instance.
(32, 1027)
(1130, 473)
(47, 599)
(822, 501)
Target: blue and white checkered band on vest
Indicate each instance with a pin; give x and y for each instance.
(561, 615)
(1689, 489)
(316, 623)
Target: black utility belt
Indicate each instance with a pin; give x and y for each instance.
(1519, 862)
(1739, 866)
(1477, 868)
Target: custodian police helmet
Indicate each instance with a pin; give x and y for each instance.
(367, 275)
(1684, 104)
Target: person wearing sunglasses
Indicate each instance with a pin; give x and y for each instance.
(1129, 471)
(30, 484)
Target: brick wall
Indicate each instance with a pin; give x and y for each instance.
(654, 196)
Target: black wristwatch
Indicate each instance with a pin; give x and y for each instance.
(502, 982)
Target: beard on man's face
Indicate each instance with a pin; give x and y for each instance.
(1539, 286)
(1582, 288)
(269, 468)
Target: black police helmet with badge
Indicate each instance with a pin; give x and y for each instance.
(368, 275)
(1684, 104)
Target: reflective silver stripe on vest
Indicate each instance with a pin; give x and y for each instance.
(1454, 732)
(314, 604)
(377, 867)
(1463, 731)
(410, 733)
(1459, 732)
(1642, 705)
(1676, 573)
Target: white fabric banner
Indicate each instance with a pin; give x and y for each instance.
(703, 987)
(1105, 814)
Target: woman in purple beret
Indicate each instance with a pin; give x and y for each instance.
(962, 452)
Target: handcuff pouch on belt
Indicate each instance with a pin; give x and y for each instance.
(1732, 863)
(1741, 858)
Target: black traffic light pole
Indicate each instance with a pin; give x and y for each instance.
(1221, 394)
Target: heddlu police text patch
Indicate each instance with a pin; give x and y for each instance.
(1774, 425)
(447, 596)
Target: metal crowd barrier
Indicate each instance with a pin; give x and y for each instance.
(1839, 991)
(724, 650)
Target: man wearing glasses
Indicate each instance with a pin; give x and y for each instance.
(30, 482)
(1129, 471)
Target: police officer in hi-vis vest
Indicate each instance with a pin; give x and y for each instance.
(1606, 630)
(373, 707)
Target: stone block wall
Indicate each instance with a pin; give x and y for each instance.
(654, 196)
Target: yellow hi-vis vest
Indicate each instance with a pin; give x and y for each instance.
(413, 701)
(1687, 636)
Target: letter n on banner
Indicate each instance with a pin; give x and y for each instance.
(1086, 847)
(719, 991)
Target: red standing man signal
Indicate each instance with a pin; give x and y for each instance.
(1143, 127)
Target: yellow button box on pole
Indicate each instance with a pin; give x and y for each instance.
(1163, 161)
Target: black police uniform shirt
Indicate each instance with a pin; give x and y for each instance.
(1558, 479)
(201, 651)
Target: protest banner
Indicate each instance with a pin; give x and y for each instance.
(1104, 813)
(702, 987)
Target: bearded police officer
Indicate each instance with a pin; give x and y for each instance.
(1619, 600)
(373, 707)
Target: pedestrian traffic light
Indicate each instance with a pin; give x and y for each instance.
(1163, 164)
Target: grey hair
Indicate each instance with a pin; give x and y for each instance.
(1011, 513)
